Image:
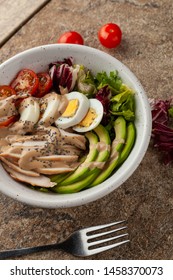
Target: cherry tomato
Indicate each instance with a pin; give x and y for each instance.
(8, 121)
(6, 91)
(25, 82)
(110, 35)
(45, 84)
(71, 37)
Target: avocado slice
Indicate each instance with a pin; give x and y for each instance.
(57, 178)
(104, 138)
(103, 155)
(120, 134)
(131, 136)
(103, 134)
(77, 186)
(81, 171)
(117, 145)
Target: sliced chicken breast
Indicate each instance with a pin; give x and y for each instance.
(40, 181)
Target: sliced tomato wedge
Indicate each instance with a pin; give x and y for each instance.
(6, 91)
(8, 121)
(45, 84)
(25, 82)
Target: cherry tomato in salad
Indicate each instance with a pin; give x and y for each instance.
(110, 35)
(6, 91)
(45, 84)
(8, 121)
(25, 82)
(71, 37)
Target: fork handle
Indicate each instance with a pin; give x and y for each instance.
(24, 251)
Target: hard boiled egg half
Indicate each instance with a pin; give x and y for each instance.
(77, 108)
(92, 118)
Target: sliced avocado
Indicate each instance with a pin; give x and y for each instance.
(104, 137)
(91, 175)
(103, 134)
(120, 134)
(77, 186)
(104, 151)
(59, 177)
(93, 140)
(131, 136)
(117, 145)
(81, 171)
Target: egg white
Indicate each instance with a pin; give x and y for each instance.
(29, 110)
(98, 108)
(81, 111)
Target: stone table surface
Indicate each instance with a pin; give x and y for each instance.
(145, 200)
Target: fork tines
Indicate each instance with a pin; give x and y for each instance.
(109, 232)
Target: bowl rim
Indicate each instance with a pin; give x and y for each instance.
(46, 200)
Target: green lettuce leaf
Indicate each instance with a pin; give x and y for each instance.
(123, 104)
(86, 83)
(113, 81)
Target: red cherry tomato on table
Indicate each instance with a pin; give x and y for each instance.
(6, 91)
(110, 35)
(45, 84)
(71, 37)
(25, 82)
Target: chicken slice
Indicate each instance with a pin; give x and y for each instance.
(64, 158)
(73, 139)
(14, 151)
(3, 142)
(65, 149)
(40, 181)
(10, 155)
(4, 132)
(30, 160)
(36, 144)
(22, 127)
(55, 170)
(22, 138)
(18, 169)
(53, 134)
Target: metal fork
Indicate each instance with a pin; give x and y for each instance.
(84, 242)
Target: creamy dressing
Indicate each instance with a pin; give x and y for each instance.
(7, 107)
(101, 146)
(30, 149)
(92, 165)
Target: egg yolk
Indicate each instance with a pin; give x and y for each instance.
(89, 118)
(71, 109)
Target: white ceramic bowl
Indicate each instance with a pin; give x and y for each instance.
(38, 59)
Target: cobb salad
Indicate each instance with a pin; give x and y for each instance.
(66, 129)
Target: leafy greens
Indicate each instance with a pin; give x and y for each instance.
(117, 99)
